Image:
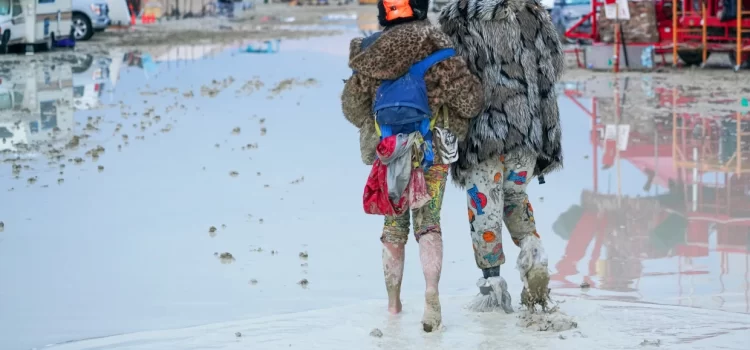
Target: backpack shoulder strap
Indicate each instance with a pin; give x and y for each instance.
(369, 40)
(421, 67)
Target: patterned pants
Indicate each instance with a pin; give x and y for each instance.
(427, 218)
(497, 193)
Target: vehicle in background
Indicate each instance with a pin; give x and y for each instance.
(89, 16)
(90, 75)
(33, 22)
(35, 108)
(566, 13)
(118, 12)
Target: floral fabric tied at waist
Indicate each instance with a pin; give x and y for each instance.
(396, 182)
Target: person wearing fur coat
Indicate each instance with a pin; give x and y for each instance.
(512, 46)
(408, 38)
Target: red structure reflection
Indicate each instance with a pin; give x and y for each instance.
(695, 202)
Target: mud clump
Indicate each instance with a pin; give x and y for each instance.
(585, 285)
(253, 281)
(234, 174)
(303, 255)
(226, 258)
(2, 226)
(251, 86)
(377, 333)
(236, 131)
(303, 283)
(647, 342)
(212, 231)
(100, 168)
(238, 334)
(74, 142)
(553, 321)
(288, 84)
(298, 181)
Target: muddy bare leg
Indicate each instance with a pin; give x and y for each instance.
(393, 269)
(429, 236)
(431, 256)
(395, 235)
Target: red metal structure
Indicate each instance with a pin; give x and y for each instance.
(702, 161)
(690, 29)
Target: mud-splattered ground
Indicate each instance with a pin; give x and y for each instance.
(150, 185)
(274, 21)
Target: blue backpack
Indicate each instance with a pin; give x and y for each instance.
(401, 105)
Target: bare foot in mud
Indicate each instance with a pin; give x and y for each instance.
(394, 307)
(432, 317)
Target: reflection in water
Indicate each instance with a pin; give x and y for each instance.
(690, 222)
(268, 46)
(36, 114)
(177, 56)
(90, 76)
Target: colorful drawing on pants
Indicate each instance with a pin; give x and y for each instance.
(471, 216)
(478, 200)
(495, 255)
(509, 209)
(529, 210)
(498, 177)
(489, 236)
(517, 178)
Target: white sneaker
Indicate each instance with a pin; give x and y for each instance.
(493, 295)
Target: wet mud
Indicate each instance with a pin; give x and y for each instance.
(86, 128)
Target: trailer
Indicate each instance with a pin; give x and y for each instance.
(690, 30)
(33, 22)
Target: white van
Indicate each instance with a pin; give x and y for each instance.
(34, 22)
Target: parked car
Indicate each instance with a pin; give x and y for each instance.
(89, 16)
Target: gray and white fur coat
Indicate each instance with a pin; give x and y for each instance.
(514, 49)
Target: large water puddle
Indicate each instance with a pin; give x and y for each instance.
(178, 186)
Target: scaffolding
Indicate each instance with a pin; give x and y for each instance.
(688, 29)
(716, 207)
(711, 34)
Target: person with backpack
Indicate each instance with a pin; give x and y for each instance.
(411, 98)
(513, 47)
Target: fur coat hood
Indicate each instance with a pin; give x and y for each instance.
(449, 83)
(514, 49)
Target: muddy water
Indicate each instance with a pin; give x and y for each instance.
(180, 186)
